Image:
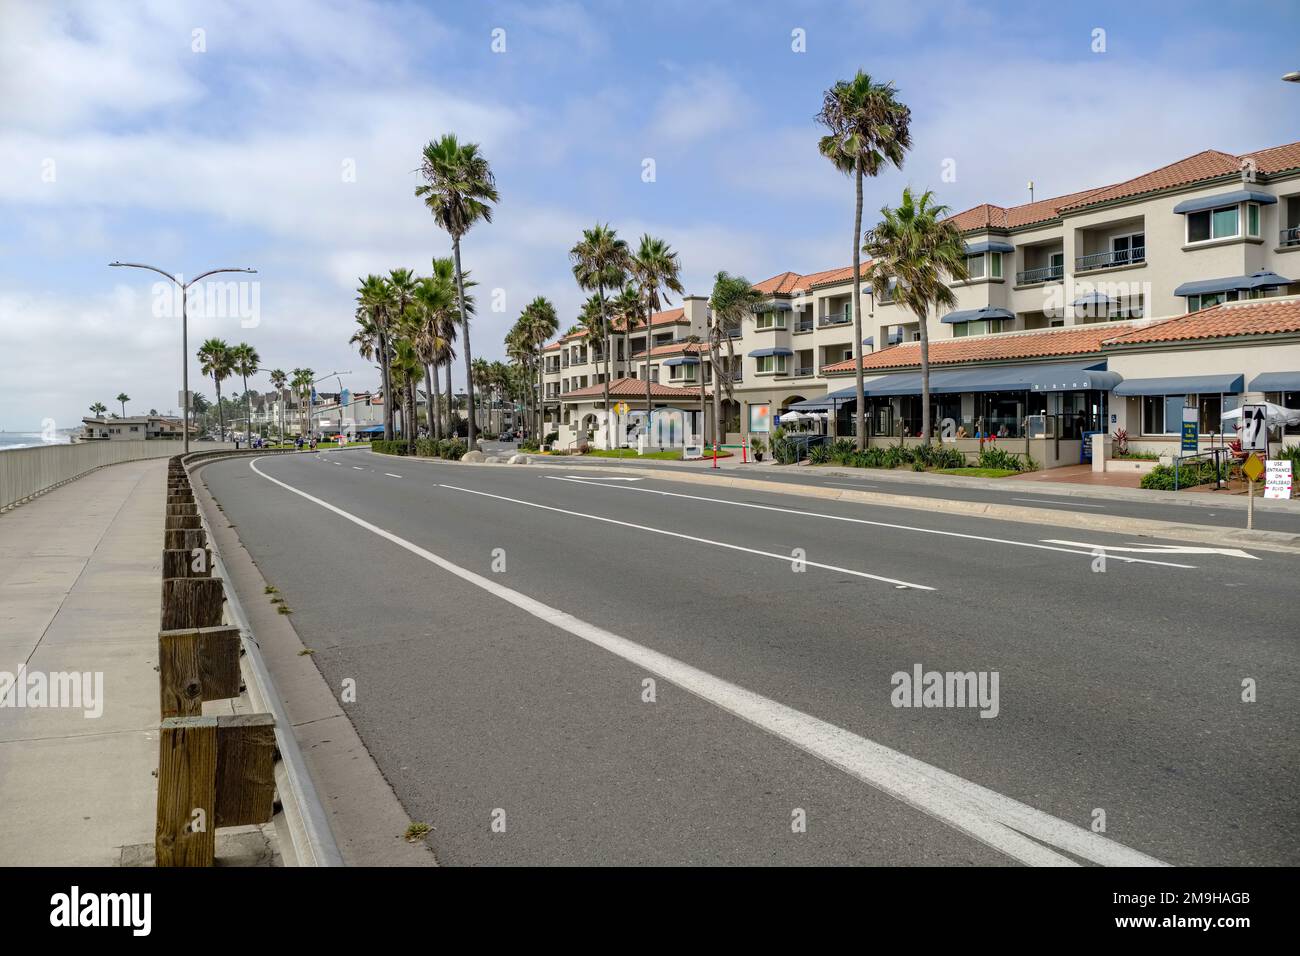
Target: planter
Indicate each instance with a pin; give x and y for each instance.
(1132, 466)
(758, 456)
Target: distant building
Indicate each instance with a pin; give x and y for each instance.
(135, 428)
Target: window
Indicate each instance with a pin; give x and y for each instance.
(1212, 224)
(1130, 248)
(1163, 414)
(770, 320)
(846, 355)
(771, 363)
(975, 266)
(982, 327)
(995, 265)
(1252, 219)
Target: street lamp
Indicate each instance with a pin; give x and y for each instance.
(185, 332)
(1292, 77)
(317, 382)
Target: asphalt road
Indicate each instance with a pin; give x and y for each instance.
(500, 624)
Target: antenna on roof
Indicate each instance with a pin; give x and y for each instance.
(1031, 190)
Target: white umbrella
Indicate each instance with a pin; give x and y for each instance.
(1274, 415)
(792, 417)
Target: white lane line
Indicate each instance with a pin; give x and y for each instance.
(876, 524)
(1068, 504)
(600, 478)
(389, 474)
(359, 468)
(840, 484)
(986, 815)
(1158, 549)
(786, 558)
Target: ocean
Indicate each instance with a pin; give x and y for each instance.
(10, 440)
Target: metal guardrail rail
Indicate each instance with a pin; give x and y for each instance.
(312, 840)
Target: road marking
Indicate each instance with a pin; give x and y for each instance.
(1159, 549)
(599, 478)
(359, 468)
(389, 474)
(1008, 826)
(1069, 504)
(787, 558)
(840, 484)
(881, 524)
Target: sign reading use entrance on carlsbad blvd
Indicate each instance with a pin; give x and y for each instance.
(1277, 479)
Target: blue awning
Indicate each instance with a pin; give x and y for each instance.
(371, 430)
(1276, 382)
(1224, 199)
(1056, 377)
(824, 404)
(1256, 280)
(682, 360)
(1182, 385)
(978, 315)
(988, 245)
(777, 305)
(762, 353)
(869, 340)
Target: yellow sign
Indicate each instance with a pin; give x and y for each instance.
(621, 408)
(1253, 468)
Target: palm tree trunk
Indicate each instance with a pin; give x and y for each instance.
(925, 379)
(248, 411)
(451, 404)
(221, 412)
(858, 388)
(703, 417)
(464, 327)
(648, 315)
(718, 435)
(431, 403)
(386, 378)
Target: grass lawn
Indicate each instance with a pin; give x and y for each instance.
(977, 472)
(653, 455)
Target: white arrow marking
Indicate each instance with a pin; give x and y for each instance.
(1158, 549)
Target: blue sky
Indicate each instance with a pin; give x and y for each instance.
(119, 140)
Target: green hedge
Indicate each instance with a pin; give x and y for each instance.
(449, 448)
(395, 447)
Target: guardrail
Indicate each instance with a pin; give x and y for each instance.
(220, 771)
(26, 473)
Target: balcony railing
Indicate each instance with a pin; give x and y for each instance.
(804, 325)
(804, 371)
(835, 318)
(1289, 236)
(1109, 260)
(1045, 274)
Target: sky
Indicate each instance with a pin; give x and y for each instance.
(285, 135)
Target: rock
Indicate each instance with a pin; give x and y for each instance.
(473, 456)
(518, 459)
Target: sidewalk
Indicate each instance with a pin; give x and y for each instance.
(79, 592)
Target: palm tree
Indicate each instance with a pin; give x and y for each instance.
(375, 299)
(278, 381)
(519, 349)
(434, 307)
(921, 250)
(301, 384)
(244, 362)
(123, 398)
(733, 298)
(406, 367)
(654, 265)
(479, 373)
(868, 128)
(458, 189)
(99, 408)
(625, 309)
(444, 270)
(215, 360)
(601, 260)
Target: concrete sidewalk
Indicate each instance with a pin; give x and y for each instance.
(79, 592)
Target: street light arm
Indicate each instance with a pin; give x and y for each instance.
(141, 265)
(212, 272)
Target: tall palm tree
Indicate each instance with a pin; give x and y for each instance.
(123, 398)
(99, 408)
(922, 251)
(519, 349)
(215, 360)
(654, 265)
(543, 323)
(301, 384)
(434, 306)
(868, 127)
(244, 362)
(458, 189)
(375, 299)
(407, 369)
(600, 261)
(277, 381)
(480, 375)
(444, 270)
(625, 309)
(733, 298)
(500, 377)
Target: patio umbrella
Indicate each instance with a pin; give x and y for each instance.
(792, 417)
(1274, 415)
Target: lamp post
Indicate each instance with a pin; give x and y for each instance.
(185, 332)
(1292, 77)
(335, 374)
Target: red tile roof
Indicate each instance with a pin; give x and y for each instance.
(668, 317)
(632, 388)
(1254, 317)
(782, 284)
(1206, 164)
(1071, 340)
(674, 348)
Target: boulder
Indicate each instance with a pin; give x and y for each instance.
(472, 456)
(518, 459)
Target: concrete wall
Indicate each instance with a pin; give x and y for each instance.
(25, 472)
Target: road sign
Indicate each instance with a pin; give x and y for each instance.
(621, 408)
(1191, 429)
(1277, 479)
(1252, 468)
(1254, 428)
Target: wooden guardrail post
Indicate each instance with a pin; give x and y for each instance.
(184, 539)
(197, 664)
(179, 563)
(191, 602)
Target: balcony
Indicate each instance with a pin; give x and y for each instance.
(804, 325)
(1289, 236)
(1111, 260)
(804, 371)
(1045, 274)
(835, 318)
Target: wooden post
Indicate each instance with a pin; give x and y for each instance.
(191, 602)
(186, 828)
(184, 521)
(182, 508)
(194, 665)
(245, 769)
(186, 539)
(178, 563)
(186, 498)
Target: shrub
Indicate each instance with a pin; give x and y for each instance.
(426, 447)
(994, 457)
(529, 445)
(394, 447)
(453, 449)
(1292, 454)
(938, 456)
(820, 454)
(784, 450)
(843, 450)
(551, 436)
(1121, 441)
